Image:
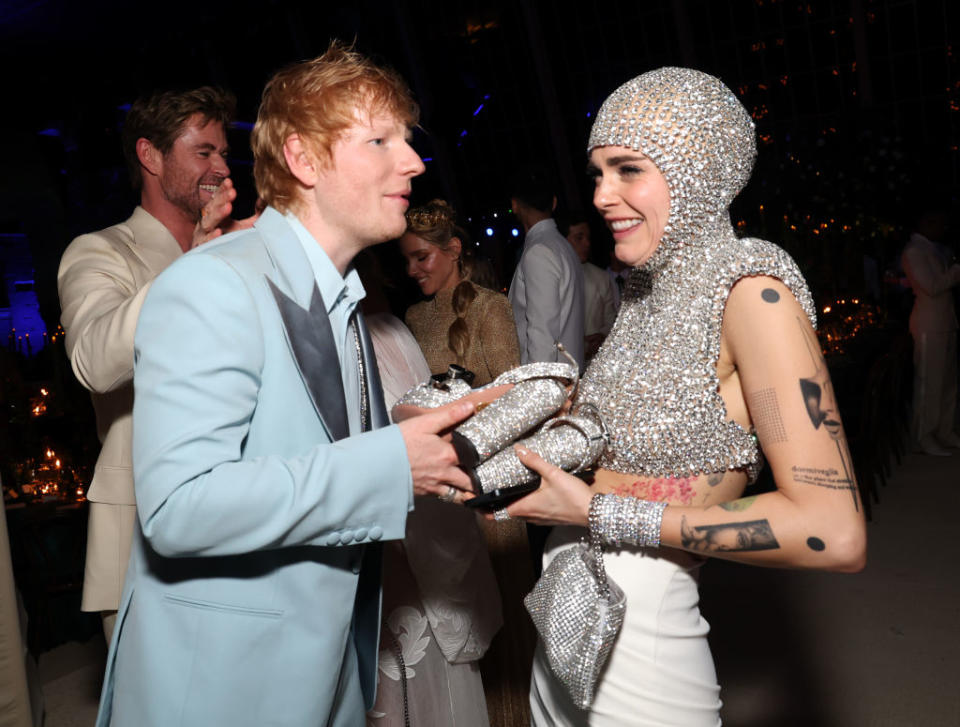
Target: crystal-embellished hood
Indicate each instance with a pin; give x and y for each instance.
(700, 137)
(654, 380)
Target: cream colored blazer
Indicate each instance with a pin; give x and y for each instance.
(103, 279)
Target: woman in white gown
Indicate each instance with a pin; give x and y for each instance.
(713, 352)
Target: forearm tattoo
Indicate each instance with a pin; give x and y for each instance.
(765, 412)
(739, 505)
(728, 537)
(821, 405)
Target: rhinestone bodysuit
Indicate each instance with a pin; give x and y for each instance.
(654, 380)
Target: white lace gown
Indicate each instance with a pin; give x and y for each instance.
(441, 606)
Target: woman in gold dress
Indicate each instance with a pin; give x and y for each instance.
(462, 322)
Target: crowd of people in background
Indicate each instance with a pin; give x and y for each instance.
(256, 496)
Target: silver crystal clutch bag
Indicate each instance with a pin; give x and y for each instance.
(578, 613)
(505, 420)
(484, 442)
(438, 390)
(573, 442)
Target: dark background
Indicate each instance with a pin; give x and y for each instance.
(857, 103)
(857, 106)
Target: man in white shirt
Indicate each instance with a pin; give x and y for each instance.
(599, 290)
(547, 288)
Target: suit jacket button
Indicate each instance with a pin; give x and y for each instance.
(376, 532)
(360, 534)
(333, 539)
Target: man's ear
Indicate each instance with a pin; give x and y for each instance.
(553, 207)
(149, 156)
(301, 162)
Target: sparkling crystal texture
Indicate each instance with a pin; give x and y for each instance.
(572, 443)
(513, 414)
(432, 393)
(429, 396)
(654, 379)
(577, 626)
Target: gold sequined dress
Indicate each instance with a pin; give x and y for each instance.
(493, 346)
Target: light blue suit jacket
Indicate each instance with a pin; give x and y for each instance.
(253, 593)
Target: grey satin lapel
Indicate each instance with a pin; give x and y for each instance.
(378, 409)
(315, 352)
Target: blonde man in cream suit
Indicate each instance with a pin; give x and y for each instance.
(175, 145)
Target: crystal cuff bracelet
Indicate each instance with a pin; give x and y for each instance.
(626, 520)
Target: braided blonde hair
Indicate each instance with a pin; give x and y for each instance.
(436, 222)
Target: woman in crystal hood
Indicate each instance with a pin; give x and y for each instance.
(713, 357)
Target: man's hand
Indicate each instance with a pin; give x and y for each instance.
(433, 461)
(215, 217)
(480, 399)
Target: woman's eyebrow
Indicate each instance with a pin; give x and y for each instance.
(621, 158)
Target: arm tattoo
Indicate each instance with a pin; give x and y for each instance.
(821, 405)
(765, 412)
(817, 390)
(816, 544)
(738, 505)
(728, 537)
(821, 477)
(770, 295)
(715, 478)
(676, 490)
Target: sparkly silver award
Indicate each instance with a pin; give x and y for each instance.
(572, 442)
(438, 390)
(484, 442)
(511, 416)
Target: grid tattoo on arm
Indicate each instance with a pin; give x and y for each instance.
(765, 411)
